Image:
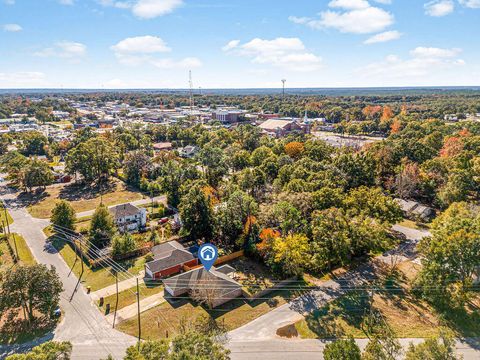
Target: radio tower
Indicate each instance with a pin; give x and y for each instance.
(191, 91)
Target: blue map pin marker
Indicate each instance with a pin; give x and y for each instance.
(208, 253)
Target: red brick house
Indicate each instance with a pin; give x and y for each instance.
(168, 259)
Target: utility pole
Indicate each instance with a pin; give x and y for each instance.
(138, 314)
(6, 216)
(15, 244)
(116, 301)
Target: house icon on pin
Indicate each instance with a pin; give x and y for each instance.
(208, 253)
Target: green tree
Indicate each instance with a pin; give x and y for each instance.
(33, 143)
(50, 350)
(197, 346)
(63, 215)
(136, 165)
(102, 227)
(95, 159)
(342, 350)
(34, 288)
(196, 213)
(123, 244)
(441, 347)
(36, 173)
(231, 218)
(148, 350)
(451, 256)
(291, 253)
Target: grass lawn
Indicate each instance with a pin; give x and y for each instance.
(6, 261)
(413, 224)
(128, 297)
(253, 275)
(82, 198)
(97, 278)
(407, 316)
(83, 223)
(169, 317)
(7, 220)
(24, 252)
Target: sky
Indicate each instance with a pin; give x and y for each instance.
(125, 44)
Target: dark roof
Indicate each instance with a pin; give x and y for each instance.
(120, 211)
(196, 278)
(167, 255)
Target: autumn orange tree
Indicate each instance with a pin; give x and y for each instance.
(294, 149)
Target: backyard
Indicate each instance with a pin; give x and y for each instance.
(82, 198)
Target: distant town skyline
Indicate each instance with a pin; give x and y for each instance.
(121, 44)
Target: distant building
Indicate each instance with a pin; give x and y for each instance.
(225, 287)
(168, 259)
(282, 127)
(227, 116)
(188, 151)
(128, 217)
(163, 146)
(416, 210)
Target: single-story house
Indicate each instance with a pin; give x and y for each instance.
(128, 217)
(219, 281)
(188, 151)
(416, 210)
(168, 259)
(163, 146)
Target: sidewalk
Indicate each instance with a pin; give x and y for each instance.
(122, 285)
(131, 310)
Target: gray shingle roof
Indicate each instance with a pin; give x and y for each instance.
(196, 278)
(123, 210)
(167, 255)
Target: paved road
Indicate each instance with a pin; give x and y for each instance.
(88, 330)
(160, 199)
(279, 349)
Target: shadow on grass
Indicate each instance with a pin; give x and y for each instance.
(465, 321)
(18, 331)
(351, 308)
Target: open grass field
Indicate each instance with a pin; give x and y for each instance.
(406, 315)
(128, 297)
(169, 317)
(97, 278)
(82, 198)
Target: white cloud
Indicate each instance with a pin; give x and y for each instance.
(141, 44)
(145, 9)
(432, 52)
(286, 53)
(12, 27)
(474, 4)
(383, 37)
(439, 7)
(349, 4)
(9, 2)
(140, 50)
(231, 45)
(64, 49)
(66, 2)
(354, 16)
(22, 79)
(423, 62)
(384, 2)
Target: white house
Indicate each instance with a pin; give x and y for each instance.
(128, 217)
